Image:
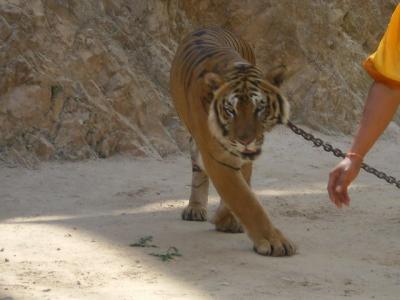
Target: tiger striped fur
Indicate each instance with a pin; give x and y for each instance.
(227, 105)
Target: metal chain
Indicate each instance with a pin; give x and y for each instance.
(339, 153)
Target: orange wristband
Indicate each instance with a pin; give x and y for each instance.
(353, 154)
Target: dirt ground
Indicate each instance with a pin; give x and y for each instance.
(65, 231)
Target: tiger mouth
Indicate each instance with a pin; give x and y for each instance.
(250, 154)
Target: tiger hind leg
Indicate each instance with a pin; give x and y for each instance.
(224, 220)
(196, 210)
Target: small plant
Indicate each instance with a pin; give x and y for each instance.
(144, 242)
(171, 253)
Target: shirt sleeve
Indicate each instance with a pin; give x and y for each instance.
(384, 65)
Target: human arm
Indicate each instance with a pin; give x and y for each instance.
(381, 104)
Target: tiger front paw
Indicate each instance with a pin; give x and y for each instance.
(194, 213)
(276, 245)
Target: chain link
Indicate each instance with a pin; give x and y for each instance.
(339, 153)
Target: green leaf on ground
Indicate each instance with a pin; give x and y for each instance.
(171, 253)
(144, 242)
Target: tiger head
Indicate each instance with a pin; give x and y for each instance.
(244, 105)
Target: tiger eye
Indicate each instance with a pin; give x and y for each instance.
(229, 110)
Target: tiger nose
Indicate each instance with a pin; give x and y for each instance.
(245, 140)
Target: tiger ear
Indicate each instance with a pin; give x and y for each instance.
(213, 81)
(277, 75)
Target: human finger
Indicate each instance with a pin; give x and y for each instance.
(342, 186)
(332, 186)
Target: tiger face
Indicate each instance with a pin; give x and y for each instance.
(242, 110)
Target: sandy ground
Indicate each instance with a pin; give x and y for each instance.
(65, 230)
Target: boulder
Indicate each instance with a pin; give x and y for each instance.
(84, 79)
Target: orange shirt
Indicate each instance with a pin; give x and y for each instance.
(384, 64)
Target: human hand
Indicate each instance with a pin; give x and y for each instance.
(341, 177)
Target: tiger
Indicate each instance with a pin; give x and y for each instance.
(227, 105)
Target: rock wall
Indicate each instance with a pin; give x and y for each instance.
(81, 79)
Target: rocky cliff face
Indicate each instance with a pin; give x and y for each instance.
(83, 79)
